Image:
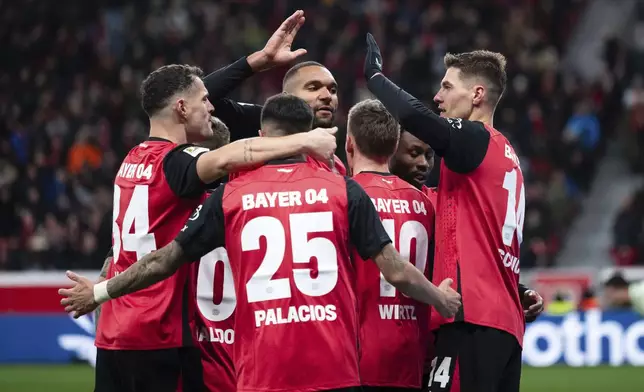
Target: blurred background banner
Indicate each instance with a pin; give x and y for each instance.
(590, 338)
(35, 329)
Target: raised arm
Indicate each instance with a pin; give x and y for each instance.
(462, 144)
(243, 118)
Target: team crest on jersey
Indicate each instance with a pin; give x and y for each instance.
(194, 150)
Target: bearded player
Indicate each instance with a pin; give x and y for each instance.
(393, 328)
(299, 286)
(481, 203)
(310, 81)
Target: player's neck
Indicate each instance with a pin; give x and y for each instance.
(484, 116)
(362, 164)
(165, 129)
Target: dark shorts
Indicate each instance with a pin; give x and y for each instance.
(166, 370)
(473, 358)
(387, 389)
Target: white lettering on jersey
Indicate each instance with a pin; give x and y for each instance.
(194, 150)
(509, 153)
(397, 312)
(509, 261)
(216, 335)
(295, 314)
(132, 170)
(283, 199)
(395, 206)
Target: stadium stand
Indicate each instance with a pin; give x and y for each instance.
(70, 111)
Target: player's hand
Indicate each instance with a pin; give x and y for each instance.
(321, 143)
(79, 300)
(277, 50)
(373, 60)
(451, 301)
(532, 305)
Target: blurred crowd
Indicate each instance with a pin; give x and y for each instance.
(70, 111)
(628, 228)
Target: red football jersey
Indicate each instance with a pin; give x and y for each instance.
(338, 166)
(147, 216)
(393, 327)
(214, 291)
(296, 323)
(431, 193)
(479, 229)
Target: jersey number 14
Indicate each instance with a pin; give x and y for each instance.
(514, 214)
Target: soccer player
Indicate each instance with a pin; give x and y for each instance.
(479, 224)
(143, 340)
(214, 294)
(413, 161)
(310, 81)
(288, 229)
(393, 328)
(220, 135)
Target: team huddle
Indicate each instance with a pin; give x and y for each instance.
(292, 276)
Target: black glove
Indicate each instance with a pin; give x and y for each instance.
(373, 60)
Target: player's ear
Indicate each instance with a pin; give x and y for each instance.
(181, 108)
(349, 145)
(261, 133)
(478, 95)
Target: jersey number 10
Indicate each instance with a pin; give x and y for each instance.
(402, 242)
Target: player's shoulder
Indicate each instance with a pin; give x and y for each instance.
(188, 149)
(499, 150)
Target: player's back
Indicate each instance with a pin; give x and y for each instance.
(147, 215)
(478, 233)
(287, 238)
(214, 291)
(393, 327)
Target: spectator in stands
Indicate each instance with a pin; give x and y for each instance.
(588, 301)
(560, 305)
(616, 293)
(627, 230)
(581, 137)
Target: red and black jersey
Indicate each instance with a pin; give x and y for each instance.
(155, 191)
(289, 229)
(481, 203)
(478, 233)
(394, 327)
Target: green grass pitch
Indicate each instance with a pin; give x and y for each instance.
(72, 378)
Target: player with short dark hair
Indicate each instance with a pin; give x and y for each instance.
(289, 229)
(144, 341)
(393, 328)
(375, 131)
(308, 80)
(413, 160)
(479, 223)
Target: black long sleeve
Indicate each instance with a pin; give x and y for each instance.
(461, 143)
(242, 119)
(225, 80)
